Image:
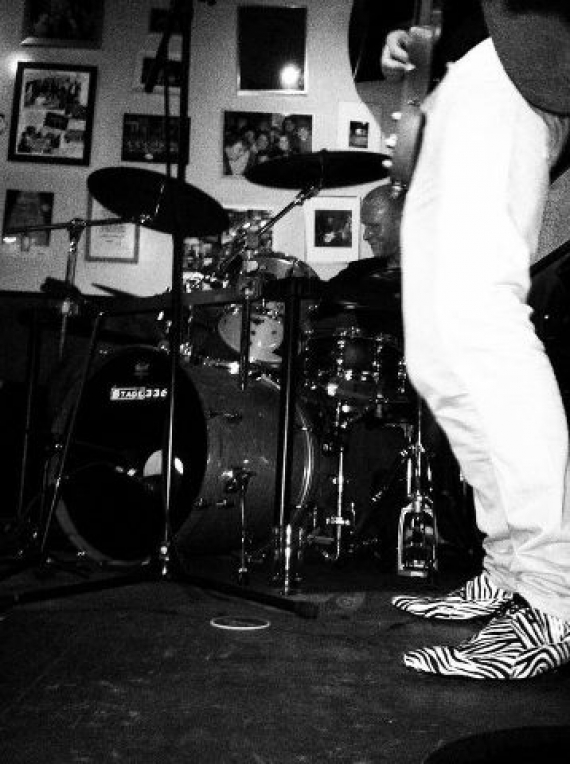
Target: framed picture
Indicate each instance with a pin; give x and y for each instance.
(332, 225)
(359, 127)
(272, 55)
(52, 114)
(70, 24)
(112, 243)
(144, 138)
(242, 218)
(23, 209)
(143, 67)
(157, 18)
(253, 137)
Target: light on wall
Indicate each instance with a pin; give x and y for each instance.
(290, 77)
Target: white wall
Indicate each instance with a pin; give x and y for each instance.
(212, 90)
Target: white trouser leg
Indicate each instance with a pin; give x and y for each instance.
(469, 233)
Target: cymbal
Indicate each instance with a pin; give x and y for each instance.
(326, 169)
(157, 202)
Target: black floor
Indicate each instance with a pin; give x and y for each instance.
(197, 668)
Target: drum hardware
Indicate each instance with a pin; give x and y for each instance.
(237, 480)
(417, 526)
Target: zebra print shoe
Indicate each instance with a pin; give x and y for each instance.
(520, 643)
(478, 598)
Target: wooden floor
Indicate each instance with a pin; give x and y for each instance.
(107, 668)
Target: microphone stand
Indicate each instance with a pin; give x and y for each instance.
(181, 14)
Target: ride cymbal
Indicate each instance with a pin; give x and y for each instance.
(325, 169)
(157, 202)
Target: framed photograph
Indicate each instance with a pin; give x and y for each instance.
(332, 225)
(23, 209)
(359, 127)
(57, 24)
(272, 49)
(253, 137)
(113, 243)
(243, 218)
(52, 114)
(144, 138)
(173, 66)
(157, 18)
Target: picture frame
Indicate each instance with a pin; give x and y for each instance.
(144, 62)
(358, 127)
(26, 208)
(113, 243)
(157, 18)
(47, 25)
(272, 49)
(144, 138)
(242, 216)
(52, 113)
(283, 135)
(332, 228)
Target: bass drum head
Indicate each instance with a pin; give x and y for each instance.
(111, 504)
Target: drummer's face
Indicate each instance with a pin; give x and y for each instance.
(373, 235)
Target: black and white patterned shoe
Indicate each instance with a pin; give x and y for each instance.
(519, 643)
(478, 598)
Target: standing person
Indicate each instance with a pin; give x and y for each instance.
(496, 125)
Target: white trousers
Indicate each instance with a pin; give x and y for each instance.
(469, 234)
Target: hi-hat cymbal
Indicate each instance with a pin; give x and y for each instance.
(157, 202)
(325, 169)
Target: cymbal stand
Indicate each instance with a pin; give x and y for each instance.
(417, 526)
(340, 522)
(237, 481)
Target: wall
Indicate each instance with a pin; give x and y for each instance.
(212, 90)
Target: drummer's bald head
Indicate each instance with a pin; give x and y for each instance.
(375, 205)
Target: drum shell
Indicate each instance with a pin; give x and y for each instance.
(112, 505)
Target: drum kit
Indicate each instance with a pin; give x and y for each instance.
(267, 399)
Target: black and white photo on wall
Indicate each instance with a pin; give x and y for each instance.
(250, 138)
(272, 49)
(52, 114)
(144, 138)
(26, 209)
(63, 23)
(332, 227)
(157, 19)
(170, 73)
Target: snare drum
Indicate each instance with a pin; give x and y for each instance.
(266, 330)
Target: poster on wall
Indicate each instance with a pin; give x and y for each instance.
(359, 127)
(26, 209)
(332, 226)
(170, 73)
(272, 54)
(52, 114)
(253, 137)
(69, 24)
(144, 138)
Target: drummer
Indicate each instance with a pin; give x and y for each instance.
(353, 296)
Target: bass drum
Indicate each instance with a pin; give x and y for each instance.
(111, 506)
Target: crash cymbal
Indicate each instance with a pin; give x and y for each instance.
(325, 169)
(157, 202)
